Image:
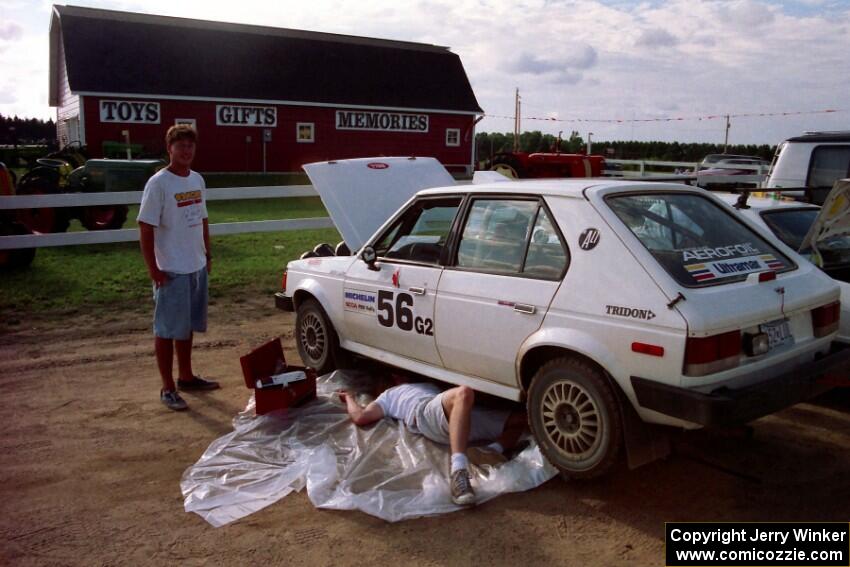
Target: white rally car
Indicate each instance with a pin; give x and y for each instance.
(607, 306)
(821, 235)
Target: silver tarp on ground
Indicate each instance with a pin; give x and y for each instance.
(383, 470)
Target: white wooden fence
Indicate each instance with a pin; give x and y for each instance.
(134, 197)
(686, 170)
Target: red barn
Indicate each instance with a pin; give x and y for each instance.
(261, 98)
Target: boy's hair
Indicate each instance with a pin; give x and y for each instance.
(180, 132)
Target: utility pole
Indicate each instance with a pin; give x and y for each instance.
(726, 140)
(517, 107)
(589, 143)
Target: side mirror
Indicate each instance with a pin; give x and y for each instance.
(369, 256)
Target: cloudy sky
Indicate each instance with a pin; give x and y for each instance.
(580, 62)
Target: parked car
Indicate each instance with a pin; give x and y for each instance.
(813, 161)
(605, 305)
(791, 222)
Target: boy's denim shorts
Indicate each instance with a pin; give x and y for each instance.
(181, 305)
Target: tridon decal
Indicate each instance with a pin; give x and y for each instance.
(588, 239)
(188, 198)
(630, 312)
(731, 251)
(359, 301)
(724, 268)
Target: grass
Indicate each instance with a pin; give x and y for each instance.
(81, 278)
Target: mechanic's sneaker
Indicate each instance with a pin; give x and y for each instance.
(462, 493)
(172, 400)
(196, 383)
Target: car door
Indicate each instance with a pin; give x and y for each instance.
(390, 305)
(509, 261)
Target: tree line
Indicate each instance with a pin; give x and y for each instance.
(14, 130)
(491, 143)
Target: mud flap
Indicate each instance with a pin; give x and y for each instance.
(645, 442)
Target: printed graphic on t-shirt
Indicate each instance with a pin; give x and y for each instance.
(188, 202)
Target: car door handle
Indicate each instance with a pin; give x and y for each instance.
(525, 309)
(416, 290)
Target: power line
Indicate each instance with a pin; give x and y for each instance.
(671, 118)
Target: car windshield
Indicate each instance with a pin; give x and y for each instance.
(694, 239)
(791, 227)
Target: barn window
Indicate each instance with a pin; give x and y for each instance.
(305, 132)
(452, 136)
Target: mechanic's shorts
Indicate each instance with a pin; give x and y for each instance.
(181, 305)
(485, 424)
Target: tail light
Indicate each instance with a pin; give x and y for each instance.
(825, 319)
(283, 281)
(707, 355)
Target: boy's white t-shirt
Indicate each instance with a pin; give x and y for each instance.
(400, 402)
(176, 207)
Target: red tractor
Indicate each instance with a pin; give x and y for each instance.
(9, 226)
(523, 165)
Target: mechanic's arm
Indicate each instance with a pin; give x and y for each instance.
(207, 244)
(360, 415)
(146, 238)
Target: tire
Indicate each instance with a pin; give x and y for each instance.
(315, 338)
(323, 250)
(577, 394)
(342, 249)
(18, 258)
(509, 166)
(106, 217)
(41, 181)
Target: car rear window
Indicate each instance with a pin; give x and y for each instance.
(694, 239)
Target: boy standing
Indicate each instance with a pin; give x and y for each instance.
(175, 241)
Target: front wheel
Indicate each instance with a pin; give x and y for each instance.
(315, 337)
(573, 414)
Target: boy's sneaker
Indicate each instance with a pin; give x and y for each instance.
(462, 493)
(172, 400)
(196, 383)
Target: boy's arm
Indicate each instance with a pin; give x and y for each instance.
(360, 415)
(146, 239)
(207, 245)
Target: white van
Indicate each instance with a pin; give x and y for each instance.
(814, 161)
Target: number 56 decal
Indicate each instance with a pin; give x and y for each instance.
(401, 314)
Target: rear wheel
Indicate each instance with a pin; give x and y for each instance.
(573, 414)
(18, 258)
(315, 338)
(107, 217)
(41, 181)
(508, 166)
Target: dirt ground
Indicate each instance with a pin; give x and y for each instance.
(90, 464)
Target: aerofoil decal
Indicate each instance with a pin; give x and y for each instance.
(630, 312)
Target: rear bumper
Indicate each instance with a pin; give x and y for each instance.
(727, 407)
(283, 302)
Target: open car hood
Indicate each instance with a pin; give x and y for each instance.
(361, 194)
(834, 217)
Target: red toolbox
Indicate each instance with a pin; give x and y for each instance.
(267, 360)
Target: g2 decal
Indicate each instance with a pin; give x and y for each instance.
(588, 239)
(396, 310)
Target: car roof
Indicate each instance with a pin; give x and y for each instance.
(572, 188)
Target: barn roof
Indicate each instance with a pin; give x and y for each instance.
(127, 53)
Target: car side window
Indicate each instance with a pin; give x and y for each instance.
(546, 256)
(828, 164)
(496, 234)
(420, 233)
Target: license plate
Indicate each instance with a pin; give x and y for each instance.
(778, 333)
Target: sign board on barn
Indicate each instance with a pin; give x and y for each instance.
(129, 111)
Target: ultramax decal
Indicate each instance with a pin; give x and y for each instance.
(630, 312)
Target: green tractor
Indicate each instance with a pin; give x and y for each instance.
(68, 171)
